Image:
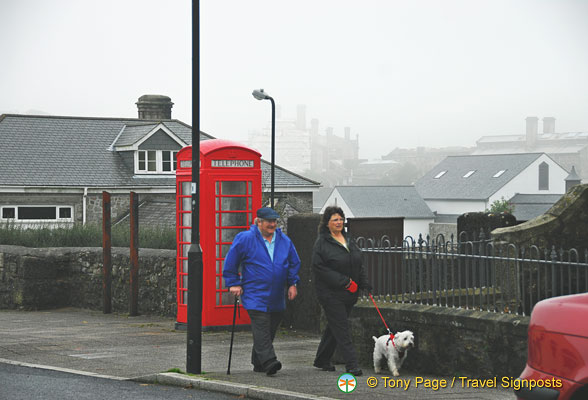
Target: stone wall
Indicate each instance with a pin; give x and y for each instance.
(564, 225)
(448, 341)
(33, 279)
(445, 229)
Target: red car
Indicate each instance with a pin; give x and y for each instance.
(557, 359)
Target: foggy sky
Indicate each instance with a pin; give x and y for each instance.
(399, 73)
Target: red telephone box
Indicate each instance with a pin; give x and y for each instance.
(230, 194)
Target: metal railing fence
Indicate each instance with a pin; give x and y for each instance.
(479, 275)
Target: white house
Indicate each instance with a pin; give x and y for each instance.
(471, 183)
(384, 202)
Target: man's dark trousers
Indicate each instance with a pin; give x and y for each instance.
(264, 326)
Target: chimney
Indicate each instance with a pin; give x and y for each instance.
(154, 107)
(532, 130)
(347, 133)
(301, 117)
(548, 125)
(572, 180)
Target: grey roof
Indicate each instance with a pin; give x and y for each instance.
(385, 201)
(529, 206)
(481, 184)
(131, 134)
(552, 143)
(75, 151)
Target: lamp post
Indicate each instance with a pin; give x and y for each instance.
(261, 95)
(195, 266)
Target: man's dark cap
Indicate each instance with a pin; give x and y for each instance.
(267, 213)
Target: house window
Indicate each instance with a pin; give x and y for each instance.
(496, 175)
(37, 213)
(440, 174)
(168, 159)
(543, 176)
(156, 161)
(8, 212)
(470, 173)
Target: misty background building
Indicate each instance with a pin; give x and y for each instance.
(301, 148)
(568, 149)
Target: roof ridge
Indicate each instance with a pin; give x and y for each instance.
(147, 121)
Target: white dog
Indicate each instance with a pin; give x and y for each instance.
(393, 349)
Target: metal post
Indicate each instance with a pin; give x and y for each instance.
(106, 254)
(195, 268)
(273, 148)
(134, 278)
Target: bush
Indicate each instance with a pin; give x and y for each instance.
(500, 206)
(89, 235)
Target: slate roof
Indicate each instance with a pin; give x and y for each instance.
(554, 143)
(481, 184)
(131, 134)
(76, 151)
(529, 206)
(385, 201)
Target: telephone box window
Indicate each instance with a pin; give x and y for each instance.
(8, 212)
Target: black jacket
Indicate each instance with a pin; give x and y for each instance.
(333, 265)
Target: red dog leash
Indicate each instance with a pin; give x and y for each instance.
(386, 325)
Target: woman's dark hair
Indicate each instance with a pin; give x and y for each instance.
(329, 211)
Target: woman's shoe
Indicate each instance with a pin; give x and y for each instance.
(327, 367)
(355, 371)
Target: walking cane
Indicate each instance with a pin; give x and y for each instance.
(233, 332)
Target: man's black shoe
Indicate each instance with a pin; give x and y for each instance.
(273, 367)
(355, 371)
(327, 367)
(258, 369)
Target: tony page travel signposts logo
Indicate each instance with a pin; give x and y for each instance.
(347, 383)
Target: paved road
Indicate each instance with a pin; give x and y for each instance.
(24, 383)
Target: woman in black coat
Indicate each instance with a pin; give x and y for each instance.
(339, 273)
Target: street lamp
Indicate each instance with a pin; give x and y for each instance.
(261, 95)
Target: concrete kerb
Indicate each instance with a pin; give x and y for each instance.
(176, 379)
(237, 389)
(58, 369)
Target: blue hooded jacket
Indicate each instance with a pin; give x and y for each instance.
(263, 281)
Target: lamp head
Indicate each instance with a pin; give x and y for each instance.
(260, 94)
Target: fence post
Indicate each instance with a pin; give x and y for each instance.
(134, 277)
(106, 254)
(553, 274)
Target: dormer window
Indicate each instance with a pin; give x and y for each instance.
(440, 174)
(155, 161)
(470, 173)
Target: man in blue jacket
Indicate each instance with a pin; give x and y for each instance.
(269, 264)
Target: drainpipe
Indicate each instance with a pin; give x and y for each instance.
(85, 199)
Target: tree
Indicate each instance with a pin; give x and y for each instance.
(501, 205)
